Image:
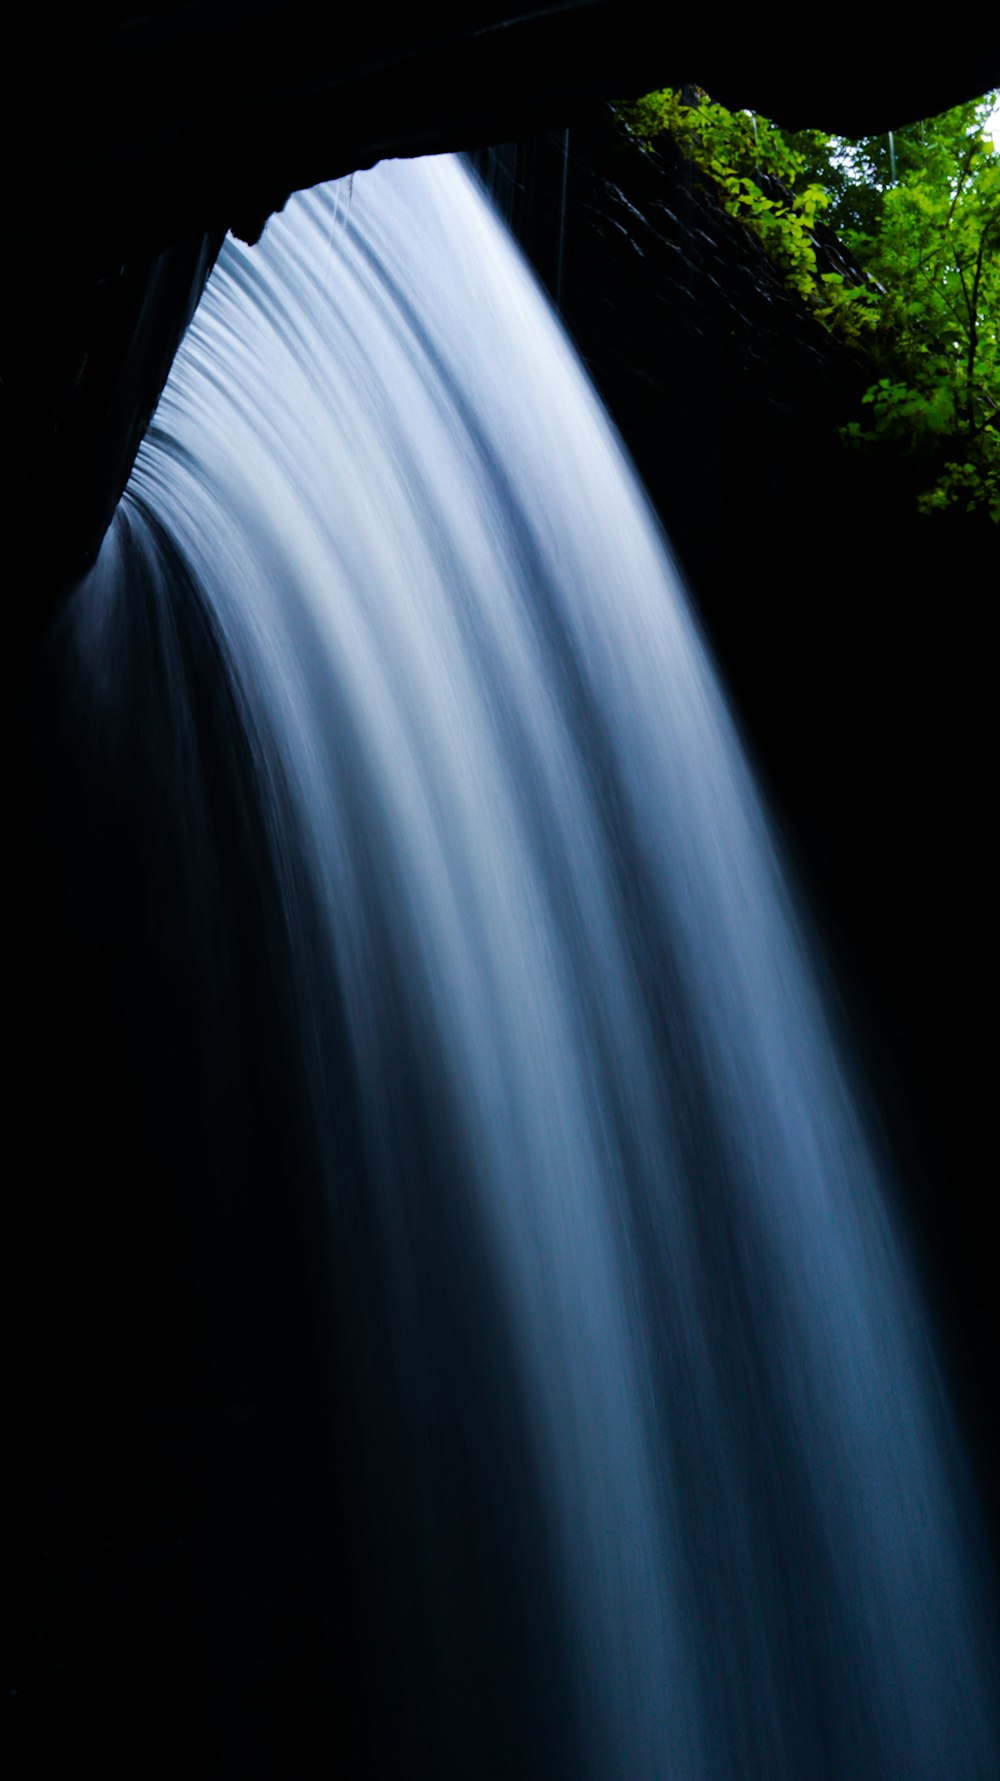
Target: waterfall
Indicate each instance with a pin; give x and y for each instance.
(448, 933)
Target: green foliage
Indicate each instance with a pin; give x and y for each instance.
(759, 172)
(918, 213)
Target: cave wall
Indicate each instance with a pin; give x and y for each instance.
(142, 136)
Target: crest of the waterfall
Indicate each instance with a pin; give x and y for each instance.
(646, 1468)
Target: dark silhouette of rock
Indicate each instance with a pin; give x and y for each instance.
(142, 137)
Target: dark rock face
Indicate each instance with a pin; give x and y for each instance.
(153, 133)
(205, 116)
(94, 351)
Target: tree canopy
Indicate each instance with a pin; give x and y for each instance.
(893, 242)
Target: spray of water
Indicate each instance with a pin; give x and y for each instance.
(646, 1466)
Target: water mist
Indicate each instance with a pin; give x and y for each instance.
(644, 1469)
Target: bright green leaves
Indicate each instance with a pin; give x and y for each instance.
(919, 215)
(763, 176)
(936, 257)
